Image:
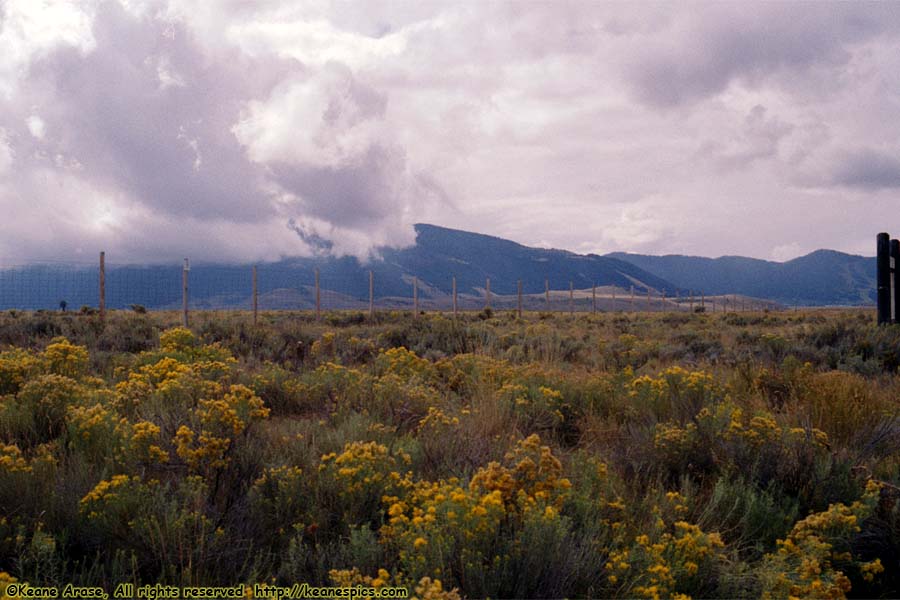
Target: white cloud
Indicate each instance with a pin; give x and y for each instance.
(325, 119)
(36, 126)
(31, 28)
(6, 156)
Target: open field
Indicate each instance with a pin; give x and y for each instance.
(609, 455)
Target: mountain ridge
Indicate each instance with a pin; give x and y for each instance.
(440, 254)
(821, 277)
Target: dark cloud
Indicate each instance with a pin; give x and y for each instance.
(148, 112)
(700, 54)
(757, 139)
(358, 194)
(867, 169)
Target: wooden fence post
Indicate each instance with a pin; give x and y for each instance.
(371, 294)
(255, 297)
(318, 298)
(102, 287)
(184, 292)
(454, 298)
(520, 298)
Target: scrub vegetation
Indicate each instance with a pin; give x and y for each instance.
(609, 455)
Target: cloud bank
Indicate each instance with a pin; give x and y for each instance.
(251, 131)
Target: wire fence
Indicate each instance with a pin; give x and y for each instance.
(73, 286)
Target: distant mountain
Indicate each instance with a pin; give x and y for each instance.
(438, 255)
(824, 277)
(441, 253)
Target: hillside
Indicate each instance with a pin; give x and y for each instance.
(823, 277)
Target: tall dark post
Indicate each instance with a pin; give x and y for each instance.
(102, 286)
(184, 292)
(520, 298)
(255, 297)
(883, 278)
(371, 294)
(318, 298)
(454, 298)
(895, 277)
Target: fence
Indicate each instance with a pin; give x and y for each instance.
(102, 285)
(887, 279)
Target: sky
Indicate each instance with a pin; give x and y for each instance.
(255, 130)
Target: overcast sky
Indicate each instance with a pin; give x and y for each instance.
(251, 130)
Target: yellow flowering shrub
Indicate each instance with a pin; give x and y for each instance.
(466, 374)
(433, 589)
(280, 501)
(222, 421)
(168, 519)
(61, 357)
(404, 364)
(811, 562)
(12, 460)
(425, 589)
(177, 339)
(675, 393)
(401, 401)
(436, 420)
(534, 475)
(145, 443)
(98, 432)
(324, 348)
(360, 476)
(723, 437)
(5, 580)
(112, 499)
(672, 558)
(16, 365)
(437, 527)
(537, 407)
(336, 388)
(233, 413)
(204, 453)
(46, 398)
(433, 525)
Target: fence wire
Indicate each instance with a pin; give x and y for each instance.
(60, 285)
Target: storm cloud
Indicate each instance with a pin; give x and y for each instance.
(250, 131)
